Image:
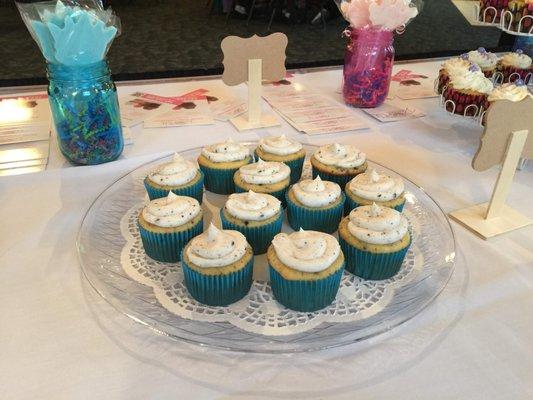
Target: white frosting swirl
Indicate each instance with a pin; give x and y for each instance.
(174, 173)
(509, 91)
(372, 185)
(252, 206)
(344, 156)
(264, 172)
(483, 58)
(279, 145)
(316, 192)
(377, 225)
(518, 60)
(472, 79)
(227, 151)
(306, 251)
(456, 65)
(216, 248)
(171, 211)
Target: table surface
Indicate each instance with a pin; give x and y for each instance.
(59, 340)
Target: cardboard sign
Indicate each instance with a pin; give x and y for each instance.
(237, 51)
(502, 118)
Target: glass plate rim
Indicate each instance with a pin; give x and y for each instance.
(259, 350)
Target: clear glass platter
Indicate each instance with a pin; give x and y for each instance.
(101, 245)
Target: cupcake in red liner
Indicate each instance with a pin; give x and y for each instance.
(516, 65)
(485, 60)
(467, 92)
(451, 67)
(491, 10)
(526, 19)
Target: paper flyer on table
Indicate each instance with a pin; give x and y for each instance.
(409, 85)
(24, 119)
(388, 112)
(309, 112)
(134, 110)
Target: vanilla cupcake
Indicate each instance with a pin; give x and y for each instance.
(269, 177)
(375, 241)
(338, 163)
(485, 60)
(516, 91)
(516, 65)
(314, 204)
(167, 224)
(179, 176)
(451, 67)
(373, 187)
(218, 266)
(258, 216)
(305, 269)
(219, 162)
(285, 150)
(467, 92)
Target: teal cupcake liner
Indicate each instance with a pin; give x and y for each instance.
(296, 167)
(258, 237)
(219, 181)
(323, 220)
(195, 190)
(167, 247)
(341, 180)
(351, 204)
(372, 266)
(280, 194)
(218, 290)
(305, 295)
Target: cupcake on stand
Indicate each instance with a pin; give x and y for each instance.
(513, 66)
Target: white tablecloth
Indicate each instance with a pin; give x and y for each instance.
(59, 340)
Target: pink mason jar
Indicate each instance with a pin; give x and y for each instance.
(368, 67)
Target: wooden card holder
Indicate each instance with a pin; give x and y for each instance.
(508, 135)
(252, 60)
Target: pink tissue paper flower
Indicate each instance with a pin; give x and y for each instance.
(391, 14)
(356, 12)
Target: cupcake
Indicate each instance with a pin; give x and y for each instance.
(485, 60)
(281, 149)
(374, 241)
(257, 216)
(451, 67)
(305, 269)
(513, 16)
(515, 66)
(314, 204)
(491, 10)
(526, 19)
(269, 177)
(373, 187)
(218, 266)
(179, 176)
(219, 162)
(167, 224)
(467, 92)
(338, 163)
(516, 91)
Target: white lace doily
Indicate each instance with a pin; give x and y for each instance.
(258, 312)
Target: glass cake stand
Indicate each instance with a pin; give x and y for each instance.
(101, 245)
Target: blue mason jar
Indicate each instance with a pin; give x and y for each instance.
(84, 105)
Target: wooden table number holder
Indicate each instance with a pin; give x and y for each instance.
(252, 60)
(508, 135)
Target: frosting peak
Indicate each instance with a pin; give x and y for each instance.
(279, 145)
(344, 156)
(377, 225)
(372, 185)
(177, 172)
(472, 79)
(316, 192)
(252, 206)
(216, 248)
(509, 91)
(227, 151)
(171, 211)
(306, 251)
(517, 59)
